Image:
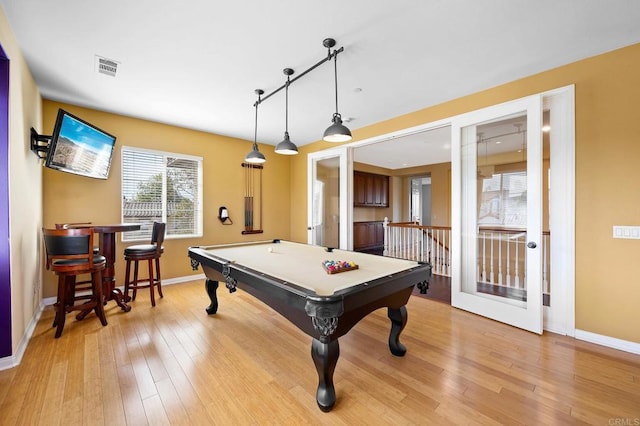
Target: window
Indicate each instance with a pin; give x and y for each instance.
(161, 186)
(504, 200)
(420, 200)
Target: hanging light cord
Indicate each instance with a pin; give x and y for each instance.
(286, 105)
(335, 71)
(255, 127)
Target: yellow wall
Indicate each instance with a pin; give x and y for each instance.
(25, 187)
(71, 198)
(440, 191)
(607, 178)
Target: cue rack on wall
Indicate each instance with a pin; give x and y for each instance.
(252, 198)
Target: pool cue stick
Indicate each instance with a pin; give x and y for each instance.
(260, 175)
(248, 200)
(251, 190)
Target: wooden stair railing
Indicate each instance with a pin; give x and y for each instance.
(410, 240)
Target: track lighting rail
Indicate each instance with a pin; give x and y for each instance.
(336, 132)
(328, 43)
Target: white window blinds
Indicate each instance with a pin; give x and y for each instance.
(163, 187)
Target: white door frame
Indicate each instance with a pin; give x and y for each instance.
(561, 317)
(525, 314)
(344, 153)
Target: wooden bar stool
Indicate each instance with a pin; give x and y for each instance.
(149, 252)
(83, 285)
(70, 253)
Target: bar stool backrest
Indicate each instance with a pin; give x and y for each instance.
(70, 248)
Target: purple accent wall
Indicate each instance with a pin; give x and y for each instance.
(5, 275)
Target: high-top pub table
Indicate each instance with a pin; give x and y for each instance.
(291, 279)
(107, 246)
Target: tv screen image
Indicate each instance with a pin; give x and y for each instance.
(79, 147)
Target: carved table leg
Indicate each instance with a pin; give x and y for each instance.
(212, 286)
(118, 296)
(398, 319)
(325, 357)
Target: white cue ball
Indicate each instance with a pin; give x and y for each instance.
(270, 250)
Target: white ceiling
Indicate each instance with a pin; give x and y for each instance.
(196, 63)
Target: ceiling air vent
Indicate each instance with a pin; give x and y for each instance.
(106, 66)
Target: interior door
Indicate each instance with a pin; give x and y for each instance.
(329, 198)
(497, 213)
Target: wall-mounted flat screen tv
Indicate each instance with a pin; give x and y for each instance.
(79, 147)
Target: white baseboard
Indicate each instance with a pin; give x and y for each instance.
(611, 342)
(188, 278)
(15, 359)
(51, 300)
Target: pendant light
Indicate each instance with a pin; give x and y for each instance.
(255, 156)
(337, 132)
(286, 147)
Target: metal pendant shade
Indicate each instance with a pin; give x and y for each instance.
(337, 132)
(255, 156)
(286, 147)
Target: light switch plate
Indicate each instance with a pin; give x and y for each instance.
(626, 232)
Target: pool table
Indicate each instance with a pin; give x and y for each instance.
(291, 278)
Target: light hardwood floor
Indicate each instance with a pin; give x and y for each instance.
(173, 364)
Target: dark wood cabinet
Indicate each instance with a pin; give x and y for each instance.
(359, 189)
(370, 190)
(368, 237)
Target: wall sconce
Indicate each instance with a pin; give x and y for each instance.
(223, 215)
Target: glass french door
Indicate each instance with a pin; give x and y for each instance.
(497, 213)
(329, 215)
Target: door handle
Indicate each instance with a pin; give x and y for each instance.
(531, 245)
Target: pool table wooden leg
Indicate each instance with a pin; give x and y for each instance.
(325, 357)
(398, 319)
(212, 286)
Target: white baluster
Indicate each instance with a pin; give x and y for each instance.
(508, 283)
(491, 258)
(517, 265)
(484, 258)
(545, 281)
(449, 253)
(435, 253)
(500, 258)
(395, 241)
(385, 232)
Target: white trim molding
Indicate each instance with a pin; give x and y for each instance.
(15, 359)
(610, 342)
(51, 300)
